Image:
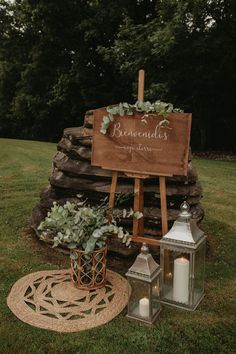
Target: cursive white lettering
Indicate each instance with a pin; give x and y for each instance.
(158, 133)
(138, 147)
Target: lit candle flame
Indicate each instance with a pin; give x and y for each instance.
(169, 275)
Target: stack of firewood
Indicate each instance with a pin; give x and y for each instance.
(73, 178)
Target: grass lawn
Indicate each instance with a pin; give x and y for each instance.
(24, 170)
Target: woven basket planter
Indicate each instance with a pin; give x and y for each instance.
(88, 270)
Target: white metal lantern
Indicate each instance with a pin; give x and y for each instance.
(144, 280)
(183, 262)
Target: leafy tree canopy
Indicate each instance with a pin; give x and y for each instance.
(59, 58)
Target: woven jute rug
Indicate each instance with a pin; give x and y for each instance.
(48, 299)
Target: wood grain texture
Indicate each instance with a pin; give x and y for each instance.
(133, 146)
(113, 190)
(60, 179)
(141, 78)
(164, 217)
(138, 224)
(148, 240)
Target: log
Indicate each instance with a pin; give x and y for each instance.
(80, 135)
(60, 179)
(75, 152)
(150, 197)
(88, 119)
(80, 166)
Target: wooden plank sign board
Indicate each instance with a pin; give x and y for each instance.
(131, 145)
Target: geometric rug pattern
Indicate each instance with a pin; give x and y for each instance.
(49, 299)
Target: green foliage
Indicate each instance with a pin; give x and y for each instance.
(59, 58)
(158, 107)
(187, 50)
(50, 71)
(82, 227)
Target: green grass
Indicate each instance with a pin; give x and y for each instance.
(24, 170)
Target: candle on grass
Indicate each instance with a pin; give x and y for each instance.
(181, 280)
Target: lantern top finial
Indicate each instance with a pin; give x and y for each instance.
(144, 248)
(185, 209)
(184, 206)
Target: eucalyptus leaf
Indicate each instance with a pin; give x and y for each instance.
(103, 131)
(73, 256)
(106, 119)
(138, 215)
(72, 245)
(111, 118)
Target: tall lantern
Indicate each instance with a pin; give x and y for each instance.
(183, 262)
(144, 280)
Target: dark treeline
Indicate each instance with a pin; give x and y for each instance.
(59, 58)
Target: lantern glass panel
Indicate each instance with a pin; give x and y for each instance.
(139, 302)
(156, 296)
(176, 276)
(199, 270)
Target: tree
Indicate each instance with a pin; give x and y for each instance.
(188, 51)
(60, 58)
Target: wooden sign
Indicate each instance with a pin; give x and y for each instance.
(136, 146)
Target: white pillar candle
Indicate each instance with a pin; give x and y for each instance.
(156, 290)
(181, 280)
(144, 307)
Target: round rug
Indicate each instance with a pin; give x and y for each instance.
(48, 299)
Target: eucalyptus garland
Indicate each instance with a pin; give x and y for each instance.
(149, 109)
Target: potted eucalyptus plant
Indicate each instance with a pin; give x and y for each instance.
(84, 230)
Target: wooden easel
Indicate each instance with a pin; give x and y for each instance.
(138, 224)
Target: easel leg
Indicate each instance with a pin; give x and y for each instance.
(112, 193)
(141, 209)
(164, 219)
(138, 224)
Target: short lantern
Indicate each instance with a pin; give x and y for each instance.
(144, 280)
(183, 251)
